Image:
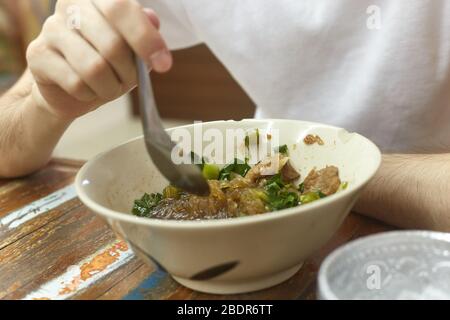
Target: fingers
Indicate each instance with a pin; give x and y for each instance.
(109, 44)
(93, 69)
(95, 63)
(136, 27)
(49, 67)
(151, 15)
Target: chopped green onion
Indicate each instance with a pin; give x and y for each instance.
(343, 186)
(283, 200)
(257, 138)
(197, 161)
(277, 195)
(171, 192)
(309, 197)
(211, 171)
(260, 194)
(321, 194)
(277, 180)
(301, 187)
(273, 188)
(283, 150)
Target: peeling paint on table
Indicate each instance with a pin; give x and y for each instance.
(36, 208)
(85, 273)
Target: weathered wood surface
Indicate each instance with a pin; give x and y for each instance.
(52, 247)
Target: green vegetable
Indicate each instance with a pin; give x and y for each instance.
(224, 174)
(301, 187)
(171, 192)
(247, 139)
(321, 194)
(283, 200)
(309, 197)
(273, 188)
(143, 207)
(239, 167)
(276, 179)
(257, 138)
(275, 184)
(211, 171)
(283, 150)
(196, 160)
(260, 194)
(343, 186)
(278, 197)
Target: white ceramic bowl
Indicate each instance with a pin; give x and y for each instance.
(267, 249)
(395, 265)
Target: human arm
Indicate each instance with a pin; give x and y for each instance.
(410, 191)
(72, 72)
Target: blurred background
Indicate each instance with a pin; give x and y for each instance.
(197, 88)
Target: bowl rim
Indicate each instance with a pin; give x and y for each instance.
(218, 223)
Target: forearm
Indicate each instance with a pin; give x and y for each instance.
(28, 133)
(410, 191)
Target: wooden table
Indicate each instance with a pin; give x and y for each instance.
(52, 247)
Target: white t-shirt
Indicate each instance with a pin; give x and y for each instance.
(377, 67)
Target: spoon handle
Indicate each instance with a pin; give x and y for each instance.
(153, 129)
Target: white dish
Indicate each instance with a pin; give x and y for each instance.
(395, 265)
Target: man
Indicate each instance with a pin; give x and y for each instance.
(380, 67)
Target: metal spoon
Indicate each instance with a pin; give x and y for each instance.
(187, 177)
